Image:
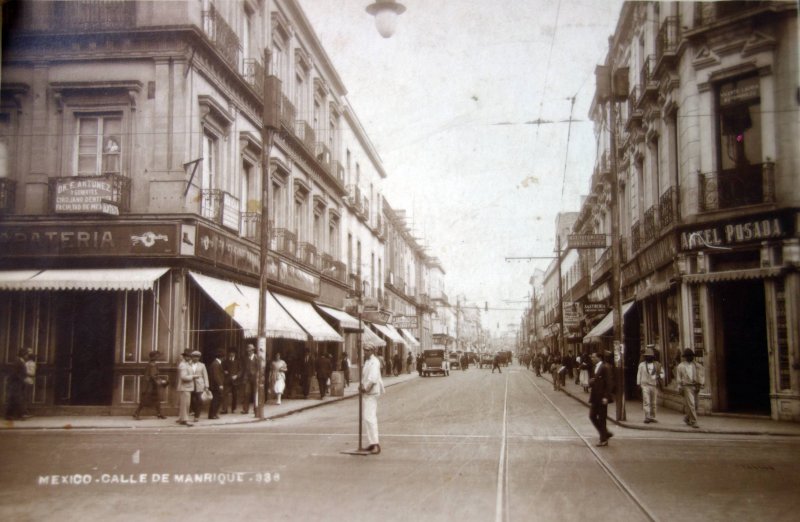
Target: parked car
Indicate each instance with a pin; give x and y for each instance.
(455, 360)
(435, 362)
(487, 359)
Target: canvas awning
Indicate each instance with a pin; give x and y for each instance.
(113, 279)
(346, 321)
(370, 338)
(309, 319)
(389, 332)
(605, 324)
(733, 275)
(410, 339)
(241, 303)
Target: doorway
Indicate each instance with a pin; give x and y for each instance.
(86, 358)
(742, 321)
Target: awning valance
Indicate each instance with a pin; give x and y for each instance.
(346, 321)
(389, 332)
(241, 303)
(370, 338)
(605, 324)
(411, 340)
(113, 279)
(309, 319)
(733, 275)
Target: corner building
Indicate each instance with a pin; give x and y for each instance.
(707, 162)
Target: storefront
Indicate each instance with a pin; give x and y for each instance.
(395, 343)
(740, 289)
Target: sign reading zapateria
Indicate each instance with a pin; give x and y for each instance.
(113, 239)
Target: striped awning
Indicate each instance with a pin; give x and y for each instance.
(113, 279)
(240, 302)
(389, 332)
(410, 339)
(345, 320)
(370, 338)
(733, 275)
(309, 319)
(605, 324)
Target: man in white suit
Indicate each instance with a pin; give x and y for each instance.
(200, 384)
(371, 388)
(185, 387)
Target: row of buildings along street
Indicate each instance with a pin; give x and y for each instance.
(132, 195)
(696, 185)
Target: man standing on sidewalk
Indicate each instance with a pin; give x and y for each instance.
(649, 376)
(601, 393)
(691, 378)
(186, 380)
(371, 388)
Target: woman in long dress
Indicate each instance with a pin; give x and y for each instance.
(277, 376)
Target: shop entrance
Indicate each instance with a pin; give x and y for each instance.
(87, 323)
(742, 320)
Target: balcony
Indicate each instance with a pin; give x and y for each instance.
(93, 16)
(649, 224)
(323, 154)
(288, 113)
(8, 193)
(634, 114)
(339, 172)
(667, 42)
(636, 238)
(329, 267)
(211, 204)
(220, 34)
(251, 226)
(745, 185)
(254, 74)
(602, 265)
(354, 198)
(307, 254)
(283, 241)
(666, 209)
(647, 79)
(305, 134)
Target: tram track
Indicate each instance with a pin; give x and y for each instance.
(618, 481)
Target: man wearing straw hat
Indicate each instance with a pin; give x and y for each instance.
(650, 376)
(371, 388)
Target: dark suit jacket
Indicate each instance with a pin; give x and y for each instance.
(324, 368)
(231, 369)
(250, 370)
(602, 385)
(216, 377)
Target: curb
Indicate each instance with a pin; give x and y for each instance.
(69, 427)
(678, 429)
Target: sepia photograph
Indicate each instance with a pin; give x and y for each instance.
(482, 261)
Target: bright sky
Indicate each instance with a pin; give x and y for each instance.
(431, 98)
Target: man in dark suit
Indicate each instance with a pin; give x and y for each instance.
(231, 371)
(324, 370)
(600, 394)
(306, 372)
(216, 380)
(249, 379)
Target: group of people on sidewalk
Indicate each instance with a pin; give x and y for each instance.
(596, 376)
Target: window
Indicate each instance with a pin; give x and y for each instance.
(279, 204)
(209, 166)
(99, 145)
(739, 142)
(319, 226)
(5, 136)
(350, 254)
(333, 235)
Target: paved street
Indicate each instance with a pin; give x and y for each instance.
(472, 446)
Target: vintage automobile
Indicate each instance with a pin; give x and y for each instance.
(435, 361)
(487, 359)
(455, 360)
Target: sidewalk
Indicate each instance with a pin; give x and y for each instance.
(672, 420)
(149, 421)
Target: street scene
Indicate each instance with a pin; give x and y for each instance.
(399, 259)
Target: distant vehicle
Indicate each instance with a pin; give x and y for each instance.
(434, 361)
(505, 357)
(473, 357)
(455, 360)
(487, 359)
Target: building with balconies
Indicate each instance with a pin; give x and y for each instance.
(131, 189)
(706, 137)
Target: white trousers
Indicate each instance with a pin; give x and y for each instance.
(184, 397)
(371, 418)
(649, 400)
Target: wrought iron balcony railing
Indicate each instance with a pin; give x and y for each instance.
(649, 224)
(668, 40)
(211, 204)
(254, 74)
(636, 237)
(221, 36)
(742, 186)
(251, 226)
(306, 134)
(666, 208)
(288, 113)
(323, 155)
(283, 241)
(307, 253)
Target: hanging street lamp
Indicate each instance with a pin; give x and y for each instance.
(386, 13)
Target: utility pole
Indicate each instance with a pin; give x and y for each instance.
(269, 125)
(560, 296)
